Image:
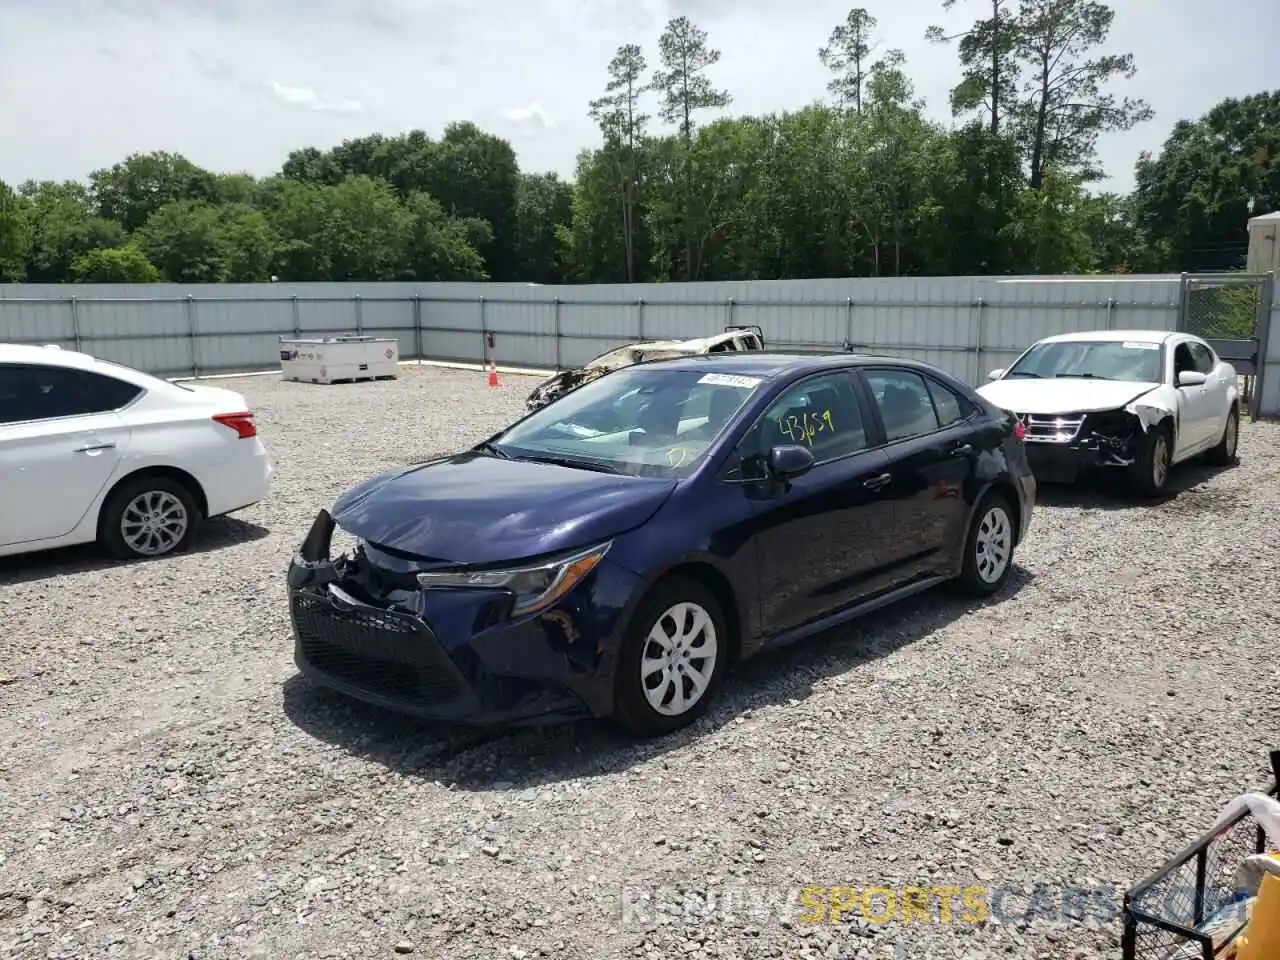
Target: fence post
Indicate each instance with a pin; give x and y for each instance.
(417, 326)
(729, 323)
(640, 319)
(75, 322)
(1111, 319)
(848, 323)
(1266, 304)
(297, 318)
(193, 333)
(556, 319)
(484, 334)
(1184, 303)
(979, 342)
(359, 315)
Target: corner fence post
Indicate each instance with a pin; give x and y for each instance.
(1184, 303)
(556, 328)
(194, 335)
(1266, 316)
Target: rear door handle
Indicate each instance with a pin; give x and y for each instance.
(94, 447)
(875, 483)
(964, 450)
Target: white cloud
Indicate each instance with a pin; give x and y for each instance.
(532, 117)
(308, 98)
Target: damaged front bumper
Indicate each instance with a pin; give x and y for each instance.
(368, 631)
(1062, 448)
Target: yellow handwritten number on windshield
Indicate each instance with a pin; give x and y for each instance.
(676, 456)
(807, 426)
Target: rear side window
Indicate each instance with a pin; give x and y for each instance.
(949, 406)
(36, 392)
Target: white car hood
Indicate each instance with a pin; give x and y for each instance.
(1063, 394)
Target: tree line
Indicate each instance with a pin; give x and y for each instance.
(861, 184)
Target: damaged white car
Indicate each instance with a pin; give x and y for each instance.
(733, 340)
(1139, 401)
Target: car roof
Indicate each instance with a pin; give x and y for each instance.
(49, 355)
(1111, 336)
(767, 364)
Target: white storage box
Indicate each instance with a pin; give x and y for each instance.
(339, 359)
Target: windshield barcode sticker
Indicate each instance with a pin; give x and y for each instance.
(730, 380)
(1135, 345)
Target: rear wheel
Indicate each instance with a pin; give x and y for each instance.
(1149, 473)
(148, 517)
(988, 549)
(1224, 454)
(672, 658)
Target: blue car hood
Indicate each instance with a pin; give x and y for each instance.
(475, 508)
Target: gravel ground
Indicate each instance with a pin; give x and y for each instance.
(169, 788)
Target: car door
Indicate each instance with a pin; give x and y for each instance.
(931, 458)
(822, 537)
(1194, 403)
(1216, 390)
(60, 444)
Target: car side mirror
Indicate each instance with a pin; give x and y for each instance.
(789, 461)
(1191, 378)
(996, 374)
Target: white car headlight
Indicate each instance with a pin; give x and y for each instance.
(536, 586)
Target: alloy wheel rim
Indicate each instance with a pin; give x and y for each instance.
(1233, 435)
(993, 545)
(1160, 461)
(679, 659)
(154, 523)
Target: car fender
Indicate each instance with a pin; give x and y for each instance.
(1154, 407)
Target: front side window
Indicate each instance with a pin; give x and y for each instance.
(644, 421)
(905, 403)
(821, 413)
(1203, 358)
(37, 392)
(1139, 361)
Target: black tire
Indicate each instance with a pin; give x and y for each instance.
(991, 516)
(632, 708)
(1224, 454)
(1147, 477)
(112, 537)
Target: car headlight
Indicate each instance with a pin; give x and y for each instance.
(535, 587)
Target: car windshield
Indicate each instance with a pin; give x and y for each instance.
(1091, 359)
(640, 420)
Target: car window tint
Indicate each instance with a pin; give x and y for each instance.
(905, 405)
(1203, 358)
(821, 413)
(35, 392)
(948, 406)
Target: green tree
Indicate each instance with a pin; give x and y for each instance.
(63, 226)
(847, 54)
(544, 208)
(682, 83)
(186, 242)
(1047, 232)
(622, 122)
(1193, 199)
(440, 247)
(989, 69)
(15, 235)
(1064, 105)
(124, 264)
(131, 191)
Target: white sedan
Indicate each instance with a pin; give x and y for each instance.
(1136, 400)
(91, 451)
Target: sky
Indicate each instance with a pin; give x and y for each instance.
(234, 85)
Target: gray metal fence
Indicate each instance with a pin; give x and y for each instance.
(966, 325)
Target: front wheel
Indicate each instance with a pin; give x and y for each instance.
(672, 658)
(988, 549)
(1149, 473)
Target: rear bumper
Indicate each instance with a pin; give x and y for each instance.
(242, 481)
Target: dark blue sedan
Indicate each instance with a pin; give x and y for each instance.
(613, 553)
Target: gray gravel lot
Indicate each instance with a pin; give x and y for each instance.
(169, 788)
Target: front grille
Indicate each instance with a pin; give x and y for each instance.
(381, 651)
(1062, 428)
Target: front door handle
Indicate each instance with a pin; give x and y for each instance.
(964, 450)
(875, 483)
(95, 448)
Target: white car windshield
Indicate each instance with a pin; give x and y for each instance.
(643, 421)
(1092, 359)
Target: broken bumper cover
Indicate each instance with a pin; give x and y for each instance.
(1107, 440)
(456, 664)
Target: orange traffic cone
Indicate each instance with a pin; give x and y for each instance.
(493, 375)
